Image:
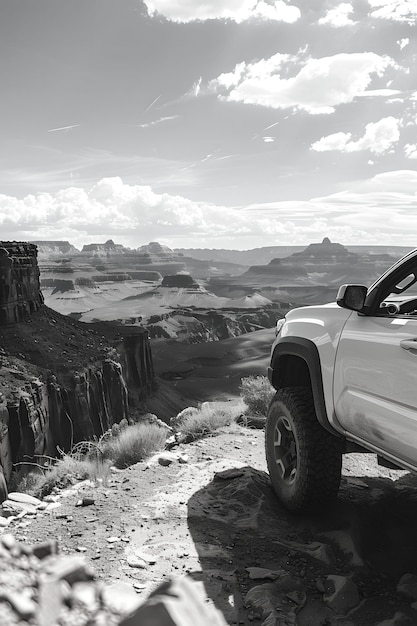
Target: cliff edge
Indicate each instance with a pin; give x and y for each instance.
(60, 381)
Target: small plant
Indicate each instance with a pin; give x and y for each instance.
(122, 446)
(134, 443)
(63, 473)
(203, 421)
(256, 392)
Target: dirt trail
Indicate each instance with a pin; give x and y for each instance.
(206, 509)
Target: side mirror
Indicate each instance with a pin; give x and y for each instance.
(352, 297)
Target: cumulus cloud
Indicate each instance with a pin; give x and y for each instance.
(396, 10)
(339, 16)
(133, 214)
(379, 138)
(403, 43)
(236, 10)
(372, 211)
(318, 87)
(410, 151)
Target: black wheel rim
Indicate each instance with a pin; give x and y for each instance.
(285, 450)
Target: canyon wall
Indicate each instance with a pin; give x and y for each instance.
(42, 418)
(20, 294)
(61, 382)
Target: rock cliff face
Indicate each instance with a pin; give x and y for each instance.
(20, 294)
(42, 417)
(60, 381)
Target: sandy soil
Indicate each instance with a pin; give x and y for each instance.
(207, 510)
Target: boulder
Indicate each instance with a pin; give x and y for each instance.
(175, 603)
(341, 593)
(407, 586)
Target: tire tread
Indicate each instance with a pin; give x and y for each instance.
(320, 452)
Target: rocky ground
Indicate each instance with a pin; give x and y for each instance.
(206, 510)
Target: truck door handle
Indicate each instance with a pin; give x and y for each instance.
(409, 344)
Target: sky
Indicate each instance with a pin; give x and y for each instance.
(208, 123)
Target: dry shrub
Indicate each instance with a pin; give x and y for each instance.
(257, 393)
(63, 473)
(203, 421)
(92, 460)
(134, 443)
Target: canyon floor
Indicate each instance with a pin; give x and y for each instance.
(207, 510)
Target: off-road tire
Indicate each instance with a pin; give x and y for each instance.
(304, 460)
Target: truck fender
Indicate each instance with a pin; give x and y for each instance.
(310, 374)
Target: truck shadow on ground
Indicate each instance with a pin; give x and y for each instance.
(260, 562)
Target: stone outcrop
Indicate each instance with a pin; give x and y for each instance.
(278, 269)
(20, 293)
(179, 281)
(201, 326)
(104, 248)
(146, 276)
(325, 250)
(55, 248)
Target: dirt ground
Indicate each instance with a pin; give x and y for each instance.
(207, 510)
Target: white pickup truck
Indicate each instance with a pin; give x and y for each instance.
(346, 380)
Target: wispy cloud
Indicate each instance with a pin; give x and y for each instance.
(271, 126)
(159, 121)
(63, 128)
(152, 103)
(395, 10)
(410, 150)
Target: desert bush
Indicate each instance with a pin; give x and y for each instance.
(134, 443)
(63, 473)
(195, 423)
(92, 460)
(256, 392)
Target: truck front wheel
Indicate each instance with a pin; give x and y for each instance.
(304, 460)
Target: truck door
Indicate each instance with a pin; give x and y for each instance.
(375, 382)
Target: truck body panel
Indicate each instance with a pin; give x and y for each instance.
(375, 383)
(322, 326)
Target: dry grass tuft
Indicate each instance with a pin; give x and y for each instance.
(134, 444)
(91, 460)
(257, 393)
(64, 473)
(203, 421)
